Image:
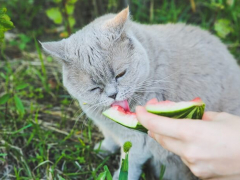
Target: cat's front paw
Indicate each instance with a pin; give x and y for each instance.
(116, 175)
(102, 150)
(106, 148)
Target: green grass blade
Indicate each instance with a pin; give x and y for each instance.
(108, 175)
(25, 127)
(42, 64)
(102, 176)
(163, 168)
(124, 169)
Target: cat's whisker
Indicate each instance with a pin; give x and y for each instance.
(140, 97)
(151, 90)
(133, 99)
(84, 121)
(83, 112)
(95, 106)
(155, 81)
(148, 83)
(137, 100)
(93, 110)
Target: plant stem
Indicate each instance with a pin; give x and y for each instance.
(151, 10)
(193, 5)
(65, 15)
(95, 8)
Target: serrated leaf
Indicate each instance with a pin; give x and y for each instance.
(223, 27)
(71, 21)
(5, 23)
(19, 105)
(55, 15)
(70, 9)
(4, 98)
(21, 86)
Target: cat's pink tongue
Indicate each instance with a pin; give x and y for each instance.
(124, 104)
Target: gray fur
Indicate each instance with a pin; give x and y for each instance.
(177, 62)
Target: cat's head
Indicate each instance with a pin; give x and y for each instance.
(102, 63)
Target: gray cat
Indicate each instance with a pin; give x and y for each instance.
(114, 59)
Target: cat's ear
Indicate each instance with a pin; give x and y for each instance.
(117, 23)
(56, 49)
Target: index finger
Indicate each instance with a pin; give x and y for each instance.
(160, 124)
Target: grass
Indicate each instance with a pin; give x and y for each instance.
(41, 133)
(40, 137)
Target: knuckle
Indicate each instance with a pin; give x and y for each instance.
(151, 124)
(162, 141)
(196, 171)
(186, 132)
(190, 155)
(199, 172)
(183, 131)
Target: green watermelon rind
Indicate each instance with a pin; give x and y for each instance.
(191, 112)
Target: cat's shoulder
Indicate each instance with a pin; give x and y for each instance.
(179, 29)
(181, 32)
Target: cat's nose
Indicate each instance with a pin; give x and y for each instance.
(113, 95)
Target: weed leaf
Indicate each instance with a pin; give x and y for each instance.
(4, 98)
(70, 9)
(55, 15)
(22, 86)
(72, 21)
(19, 105)
(223, 27)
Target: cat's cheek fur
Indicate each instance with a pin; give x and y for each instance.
(143, 65)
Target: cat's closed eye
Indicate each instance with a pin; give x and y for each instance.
(96, 88)
(121, 74)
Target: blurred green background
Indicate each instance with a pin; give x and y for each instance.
(43, 133)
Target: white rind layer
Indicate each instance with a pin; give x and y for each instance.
(171, 107)
(128, 120)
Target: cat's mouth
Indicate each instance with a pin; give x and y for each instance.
(124, 104)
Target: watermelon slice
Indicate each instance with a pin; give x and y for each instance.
(186, 109)
(124, 117)
(120, 112)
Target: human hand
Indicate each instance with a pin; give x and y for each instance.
(209, 147)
